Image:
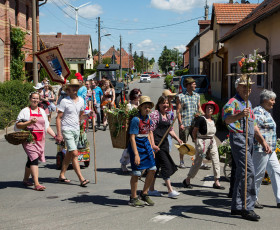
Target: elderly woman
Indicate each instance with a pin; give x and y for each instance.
(34, 119)
(266, 161)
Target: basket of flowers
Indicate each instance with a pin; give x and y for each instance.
(119, 119)
(19, 137)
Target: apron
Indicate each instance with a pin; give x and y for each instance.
(36, 150)
(163, 158)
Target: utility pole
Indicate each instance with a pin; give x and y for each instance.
(120, 57)
(34, 41)
(142, 54)
(99, 52)
(129, 61)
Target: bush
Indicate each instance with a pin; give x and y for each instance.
(167, 81)
(7, 113)
(181, 72)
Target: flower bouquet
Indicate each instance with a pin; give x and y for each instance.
(250, 64)
(278, 148)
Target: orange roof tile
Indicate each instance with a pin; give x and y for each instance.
(265, 9)
(232, 13)
(204, 22)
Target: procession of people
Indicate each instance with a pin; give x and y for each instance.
(150, 137)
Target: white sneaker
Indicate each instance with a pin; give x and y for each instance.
(182, 165)
(173, 194)
(154, 193)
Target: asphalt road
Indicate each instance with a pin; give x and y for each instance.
(104, 205)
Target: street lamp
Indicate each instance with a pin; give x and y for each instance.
(99, 52)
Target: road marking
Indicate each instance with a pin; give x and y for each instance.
(162, 219)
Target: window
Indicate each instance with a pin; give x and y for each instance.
(198, 48)
(194, 50)
(260, 78)
(16, 12)
(27, 17)
(220, 71)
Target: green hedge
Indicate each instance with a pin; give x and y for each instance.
(167, 81)
(13, 97)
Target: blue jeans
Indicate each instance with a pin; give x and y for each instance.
(98, 115)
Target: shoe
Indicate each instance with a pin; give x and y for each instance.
(84, 183)
(154, 193)
(258, 205)
(182, 165)
(146, 199)
(124, 168)
(64, 180)
(173, 194)
(205, 167)
(278, 205)
(185, 185)
(236, 212)
(135, 202)
(250, 215)
(39, 188)
(218, 187)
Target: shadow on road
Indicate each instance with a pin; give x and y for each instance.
(97, 199)
(116, 171)
(19, 184)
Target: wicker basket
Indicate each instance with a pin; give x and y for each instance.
(16, 138)
(120, 140)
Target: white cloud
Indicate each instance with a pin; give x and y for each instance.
(144, 44)
(148, 47)
(181, 48)
(91, 11)
(135, 19)
(181, 6)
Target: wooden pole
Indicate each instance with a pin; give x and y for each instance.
(246, 145)
(167, 131)
(93, 129)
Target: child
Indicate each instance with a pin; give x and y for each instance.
(141, 152)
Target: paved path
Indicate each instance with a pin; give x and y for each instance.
(104, 205)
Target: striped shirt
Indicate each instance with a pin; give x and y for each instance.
(189, 105)
(267, 127)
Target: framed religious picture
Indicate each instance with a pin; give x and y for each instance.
(54, 64)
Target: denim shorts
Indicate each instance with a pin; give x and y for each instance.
(139, 172)
(71, 138)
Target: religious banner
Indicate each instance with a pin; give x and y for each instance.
(54, 64)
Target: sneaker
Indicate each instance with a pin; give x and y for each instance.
(146, 199)
(124, 168)
(135, 202)
(182, 165)
(154, 193)
(173, 194)
(205, 167)
(258, 205)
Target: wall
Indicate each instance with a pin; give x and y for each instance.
(206, 42)
(246, 41)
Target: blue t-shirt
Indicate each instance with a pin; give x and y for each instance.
(98, 94)
(134, 124)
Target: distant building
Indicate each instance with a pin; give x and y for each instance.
(15, 13)
(75, 49)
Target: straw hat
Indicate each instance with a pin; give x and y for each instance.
(243, 81)
(167, 93)
(74, 82)
(145, 99)
(186, 149)
(188, 80)
(216, 107)
(38, 86)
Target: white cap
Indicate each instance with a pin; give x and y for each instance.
(38, 86)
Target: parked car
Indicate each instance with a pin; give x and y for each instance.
(155, 75)
(145, 78)
(150, 73)
(202, 84)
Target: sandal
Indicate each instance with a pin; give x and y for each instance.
(64, 180)
(84, 183)
(27, 183)
(39, 188)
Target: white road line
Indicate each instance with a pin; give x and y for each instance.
(162, 219)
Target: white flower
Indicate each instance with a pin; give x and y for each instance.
(263, 61)
(250, 68)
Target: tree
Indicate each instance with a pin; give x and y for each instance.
(167, 56)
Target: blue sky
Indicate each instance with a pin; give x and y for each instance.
(134, 16)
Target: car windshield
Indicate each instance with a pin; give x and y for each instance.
(145, 75)
(201, 82)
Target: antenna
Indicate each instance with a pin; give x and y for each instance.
(76, 11)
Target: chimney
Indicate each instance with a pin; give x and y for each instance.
(230, 1)
(206, 8)
(59, 35)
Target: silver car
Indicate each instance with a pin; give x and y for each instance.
(145, 78)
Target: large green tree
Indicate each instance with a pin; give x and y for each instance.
(167, 56)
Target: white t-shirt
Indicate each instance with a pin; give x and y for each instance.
(71, 113)
(25, 114)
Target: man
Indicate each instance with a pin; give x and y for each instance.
(234, 115)
(187, 106)
(70, 111)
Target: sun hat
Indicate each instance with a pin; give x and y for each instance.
(243, 81)
(38, 86)
(167, 93)
(216, 107)
(188, 80)
(74, 82)
(79, 76)
(145, 99)
(186, 149)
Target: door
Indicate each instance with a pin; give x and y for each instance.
(276, 89)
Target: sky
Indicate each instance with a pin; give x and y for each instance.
(148, 24)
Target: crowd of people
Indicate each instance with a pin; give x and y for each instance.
(151, 134)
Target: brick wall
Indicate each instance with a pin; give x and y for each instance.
(8, 19)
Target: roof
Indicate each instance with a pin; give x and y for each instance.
(229, 13)
(264, 10)
(206, 55)
(204, 22)
(74, 46)
(108, 67)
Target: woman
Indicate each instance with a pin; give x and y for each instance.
(261, 160)
(108, 100)
(203, 136)
(48, 97)
(134, 97)
(161, 122)
(34, 119)
(98, 97)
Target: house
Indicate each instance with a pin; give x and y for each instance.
(127, 59)
(75, 49)
(224, 18)
(259, 30)
(15, 13)
(186, 56)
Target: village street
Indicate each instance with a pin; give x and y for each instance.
(104, 205)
